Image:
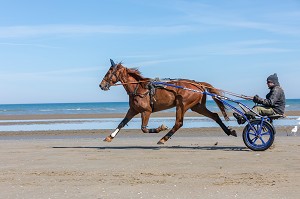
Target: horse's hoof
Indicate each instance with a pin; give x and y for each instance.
(160, 142)
(233, 133)
(163, 127)
(108, 139)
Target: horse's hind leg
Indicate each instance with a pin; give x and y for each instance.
(201, 109)
(145, 119)
(130, 114)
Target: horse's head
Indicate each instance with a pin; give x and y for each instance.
(112, 76)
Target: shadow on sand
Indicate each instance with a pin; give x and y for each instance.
(222, 148)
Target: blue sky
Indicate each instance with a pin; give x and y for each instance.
(59, 51)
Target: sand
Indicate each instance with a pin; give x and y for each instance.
(195, 163)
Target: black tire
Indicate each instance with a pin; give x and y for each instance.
(260, 139)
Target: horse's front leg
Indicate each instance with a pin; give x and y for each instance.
(130, 114)
(178, 124)
(145, 119)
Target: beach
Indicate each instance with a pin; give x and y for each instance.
(72, 70)
(195, 163)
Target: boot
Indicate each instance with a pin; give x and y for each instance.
(240, 119)
(250, 115)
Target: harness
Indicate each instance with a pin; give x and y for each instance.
(151, 90)
(135, 93)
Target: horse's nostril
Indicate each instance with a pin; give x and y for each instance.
(102, 87)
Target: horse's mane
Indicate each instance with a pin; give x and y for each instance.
(136, 74)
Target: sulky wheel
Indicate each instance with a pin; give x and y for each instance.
(261, 137)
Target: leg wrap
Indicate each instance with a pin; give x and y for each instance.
(144, 129)
(123, 123)
(169, 135)
(153, 131)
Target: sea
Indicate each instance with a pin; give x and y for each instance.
(111, 123)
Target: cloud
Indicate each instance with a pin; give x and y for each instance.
(270, 19)
(42, 30)
(247, 47)
(48, 74)
(269, 27)
(159, 61)
(24, 44)
(244, 47)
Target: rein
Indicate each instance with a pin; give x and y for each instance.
(120, 84)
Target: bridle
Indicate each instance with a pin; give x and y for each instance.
(113, 73)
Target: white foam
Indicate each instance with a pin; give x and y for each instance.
(77, 109)
(46, 110)
(110, 109)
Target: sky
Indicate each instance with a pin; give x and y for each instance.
(58, 51)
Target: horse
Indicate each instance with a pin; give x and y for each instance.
(145, 99)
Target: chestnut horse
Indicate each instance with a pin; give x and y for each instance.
(143, 100)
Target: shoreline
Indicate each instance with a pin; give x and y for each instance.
(96, 133)
(109, 115)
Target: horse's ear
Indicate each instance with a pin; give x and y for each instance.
(112, 63)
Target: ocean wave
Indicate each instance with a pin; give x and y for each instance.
(91, 110)
(46, 110)
(67, 109)
(109, 109)
(77, 109)
(12, 110)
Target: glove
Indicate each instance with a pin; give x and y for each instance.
(257, 99)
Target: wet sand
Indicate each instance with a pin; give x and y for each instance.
(109, 115)
(195, 163)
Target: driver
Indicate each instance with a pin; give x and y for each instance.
(275, 99)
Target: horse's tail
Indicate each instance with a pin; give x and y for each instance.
(215, 91)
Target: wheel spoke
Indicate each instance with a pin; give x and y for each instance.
(258, 129)
(252, 134)
(254, 140)
(262, 141)
(265, 133)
